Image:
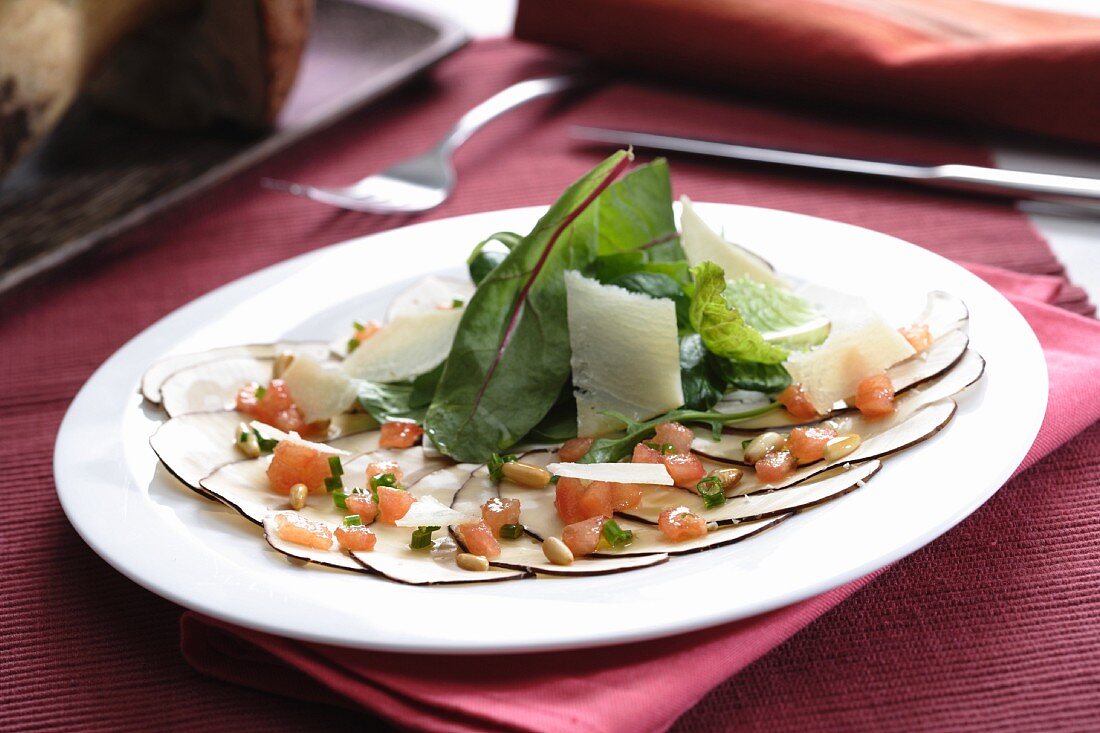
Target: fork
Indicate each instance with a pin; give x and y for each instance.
(426, 180)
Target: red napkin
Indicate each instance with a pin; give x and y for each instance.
(639, 687)
(952, 59)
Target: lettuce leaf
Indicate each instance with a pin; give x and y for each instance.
(780, 316)
(722, 328)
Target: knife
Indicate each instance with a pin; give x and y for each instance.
(976, 178)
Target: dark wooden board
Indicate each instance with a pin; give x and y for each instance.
(97, 175)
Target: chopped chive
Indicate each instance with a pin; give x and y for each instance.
(666, 449)
(332, 483)
(511, 531)
(457, 303)
(357, 326)
(710, 489)
(422, 538)
(384, 479)
(745, 443)
(260, 392)
(334, 466)
(340, 499)
(266, 444)
(496, 463)
(353, 520)
(353, 344)
(615, 535)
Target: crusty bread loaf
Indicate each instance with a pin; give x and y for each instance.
(171, 63)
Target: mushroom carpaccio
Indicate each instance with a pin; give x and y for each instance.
(199, 444)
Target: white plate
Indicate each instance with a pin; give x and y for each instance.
(203, 556)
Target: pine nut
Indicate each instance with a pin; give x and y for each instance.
(475, 563)
(247, 442)
(282, 361)
(729, 477)
(299, 493)
(557, 551)
(525, 474)
(762, 445)
(841, 446)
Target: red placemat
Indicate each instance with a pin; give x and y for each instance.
(995, 623)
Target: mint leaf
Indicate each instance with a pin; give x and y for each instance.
(722, 328)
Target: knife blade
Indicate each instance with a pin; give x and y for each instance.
(981, 179)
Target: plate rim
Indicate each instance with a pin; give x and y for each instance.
(262, 279)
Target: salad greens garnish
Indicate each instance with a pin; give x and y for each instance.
(511, 353)
(722, 327)
(508, 378)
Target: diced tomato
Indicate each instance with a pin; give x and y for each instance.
(596, 501)
(356, 539)
(875, 396)
(498, 512)
(294, 463)
(686, 470)
(400, 434)
(918, 336)
(808, 444)
(478, 539)
(775, 466)
(584, 536)
(364, 506)
(276, 407)
(625, 496)
(644, 454)
(379, 468)
(574, 450)
(676, 435)
(393, 504)
(295, 528)
(679, 524)
(369, 329)
(797, 403)
(567, 499)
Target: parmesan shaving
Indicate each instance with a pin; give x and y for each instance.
(616, 473)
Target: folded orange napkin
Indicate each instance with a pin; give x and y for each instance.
(962, 60)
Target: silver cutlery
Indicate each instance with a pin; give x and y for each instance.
(426, 180)
(996, 181)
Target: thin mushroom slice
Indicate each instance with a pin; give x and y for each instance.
(333, 558)
(940, 358)
(649, 539)
(889, 436)
(837, 482)
(393, 558)
(155, 375)
(526, 552)
(212, 385)
(944, 313)
(193, 446)
(729, 448)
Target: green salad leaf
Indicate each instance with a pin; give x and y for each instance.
(722, 328)
(751, 375)
(482, 261)
(780, 316)
(510, 356)
(399, 400)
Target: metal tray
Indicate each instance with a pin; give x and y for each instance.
(97, 176)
